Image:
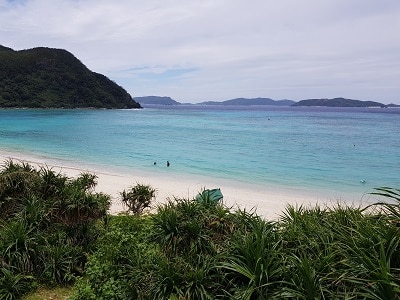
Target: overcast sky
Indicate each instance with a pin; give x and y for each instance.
(202, 50)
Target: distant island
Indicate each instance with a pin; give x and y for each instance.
(334, 102)
(156, 100)
(251, 101)
(393, 105)
(55, 78)
(338, 102)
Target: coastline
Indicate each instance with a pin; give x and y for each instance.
(267, 201)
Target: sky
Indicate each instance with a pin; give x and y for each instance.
(203, 50)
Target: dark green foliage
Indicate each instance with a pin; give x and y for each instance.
(123, 264)
(189, 227)
(190, 249)
(254, 262)
(171, 254)
(54, 78)
(201, 250)
(339, 251)
(12, 285)
(48, 223)
(392, 208)
(61, 261)
(138, 198)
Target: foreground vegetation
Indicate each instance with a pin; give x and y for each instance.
(48, 224)
(191, 249)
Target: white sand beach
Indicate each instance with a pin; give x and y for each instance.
(268, 201)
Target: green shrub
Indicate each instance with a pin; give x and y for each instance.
(12, 285)
(117, 270)
(48, 223)
(254, 262)
(138, 198)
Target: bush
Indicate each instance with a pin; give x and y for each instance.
(138, 197)
(47, 223)
(14, 285)
(123, 262)
(189, 249)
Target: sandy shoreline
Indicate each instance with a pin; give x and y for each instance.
(269, 202)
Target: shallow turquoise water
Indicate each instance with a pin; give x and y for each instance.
(335, 149)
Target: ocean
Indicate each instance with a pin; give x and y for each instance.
(344, 150)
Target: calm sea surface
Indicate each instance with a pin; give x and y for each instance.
(348, 150)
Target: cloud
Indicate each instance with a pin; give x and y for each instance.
(221, 49)
(159, 74)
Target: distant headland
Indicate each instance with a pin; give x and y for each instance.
(55, 78)
(334, 102)
(338, 102)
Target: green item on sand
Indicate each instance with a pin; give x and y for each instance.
(213, 195)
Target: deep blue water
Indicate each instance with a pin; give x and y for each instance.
(324, 148)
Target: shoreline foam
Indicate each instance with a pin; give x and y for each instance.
(268, 201)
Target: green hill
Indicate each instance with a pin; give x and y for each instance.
(251, 101)
(55, 78)
(338, 102)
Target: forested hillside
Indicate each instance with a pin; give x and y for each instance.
(55, 78)
(338, 102)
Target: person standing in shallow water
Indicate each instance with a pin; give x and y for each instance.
(167, 163)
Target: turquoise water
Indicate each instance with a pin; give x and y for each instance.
(346, 150)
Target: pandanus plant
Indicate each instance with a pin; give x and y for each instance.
(392, 208)
(138, 197)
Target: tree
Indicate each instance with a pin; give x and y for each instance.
(138, 197)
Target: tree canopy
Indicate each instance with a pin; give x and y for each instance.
(55, 78)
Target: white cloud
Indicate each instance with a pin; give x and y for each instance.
(221, 49)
